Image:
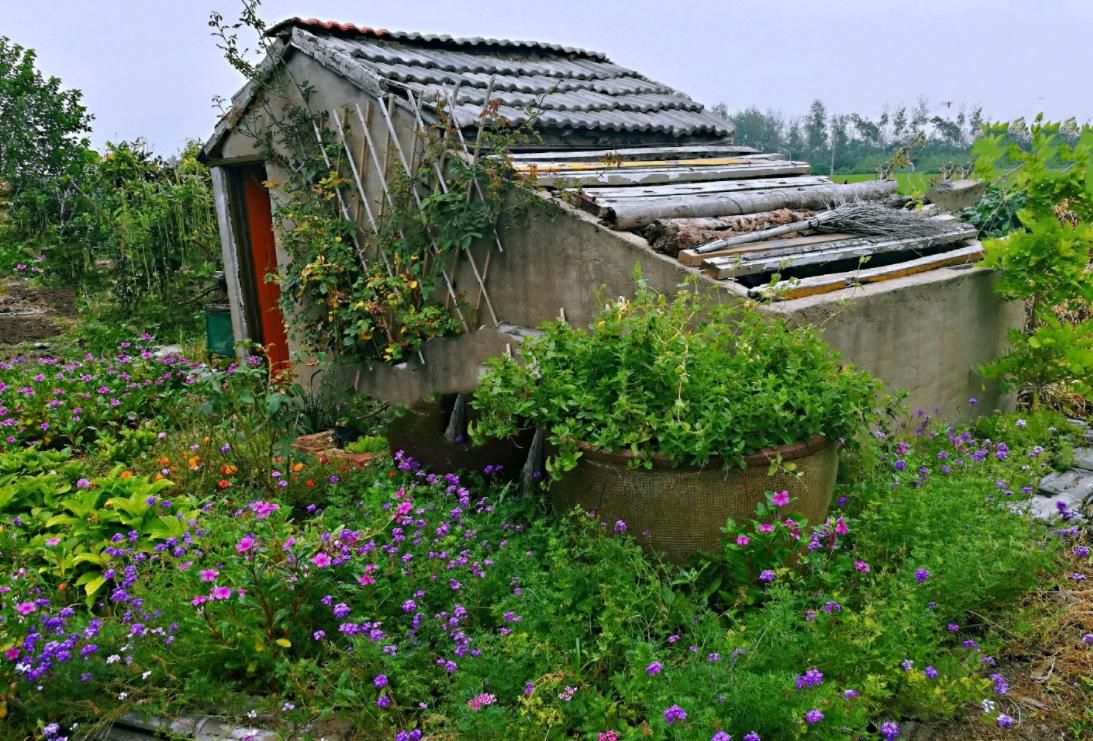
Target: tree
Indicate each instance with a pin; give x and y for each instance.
(42, 125)
(764, 131)
(815, 130)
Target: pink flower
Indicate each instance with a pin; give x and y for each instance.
(245, 544)
(404, 509)
(840, 527)
(862, 566)
(25, 608)
(766, 527)
(780, 499)
(53, 541)
(209, 574)
(199, 600)
(221, 593)
(608, 736)
(365, 579)
(480, 701)
(320, 559)
(742, 540)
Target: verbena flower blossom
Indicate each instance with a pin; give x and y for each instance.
(766, 576)
(889, 729)
(654, 668)
(930, 673)
(674, 713)
(1004, 721)
(812, 717)
(480, 701)
(811, 678)
(921, 575)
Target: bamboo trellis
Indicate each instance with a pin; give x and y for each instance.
(360, 176)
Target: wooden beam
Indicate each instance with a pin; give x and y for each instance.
(692, 259)
(699, 188)
(683, 172)
(636, 153)
(789, 289)
(819, 254)
(635, 214)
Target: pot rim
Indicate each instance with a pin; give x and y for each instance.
(761, 457)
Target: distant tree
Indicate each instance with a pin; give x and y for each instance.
(43, 126)
(815, 130)
(794, 140)
(899, 123)
(764, 131)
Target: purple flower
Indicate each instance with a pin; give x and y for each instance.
(654, 668)
(674, 713)
(1001, 686)
(1003, 720)
(889, 729)
(752, 736)
(850, 694)
(766, 576)
(721, 736)
(620, 526)
(906, 665)
(380, 680)
(812, 717)
(930, 672)
(922, 575)
(811, 678)
(383, 702)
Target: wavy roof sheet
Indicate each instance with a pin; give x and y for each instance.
(575, 94)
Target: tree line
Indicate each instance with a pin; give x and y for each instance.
(919, 137)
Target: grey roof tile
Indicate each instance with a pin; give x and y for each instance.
(572, 90)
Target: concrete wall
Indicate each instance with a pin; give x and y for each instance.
(926, 333)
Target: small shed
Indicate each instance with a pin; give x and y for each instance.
(638, 174)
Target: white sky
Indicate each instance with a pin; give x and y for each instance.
(149, 67)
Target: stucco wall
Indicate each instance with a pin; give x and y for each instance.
(925, 333)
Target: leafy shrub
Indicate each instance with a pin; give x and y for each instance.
(679, 377)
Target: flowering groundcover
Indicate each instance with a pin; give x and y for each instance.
(286, 594)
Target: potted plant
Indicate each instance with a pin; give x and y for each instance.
(672, 415)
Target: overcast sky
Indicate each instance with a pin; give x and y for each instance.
(149, 67)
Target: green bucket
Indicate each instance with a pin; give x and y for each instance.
(218, 330)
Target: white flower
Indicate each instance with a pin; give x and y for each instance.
(252, 714)
(113, 659)
(987, 705)
(123, 695)
(146, 674)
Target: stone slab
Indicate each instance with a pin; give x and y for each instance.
(1074, 483)
(1083, 458)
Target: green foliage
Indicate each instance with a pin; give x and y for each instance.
(378, 293)
(368, 444)
(42, 125)
(843, 143)
(1045, 262)
(680, 377)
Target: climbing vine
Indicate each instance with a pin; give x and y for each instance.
(369, 293)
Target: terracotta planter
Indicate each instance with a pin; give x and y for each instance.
(420, 434)
(683, 509)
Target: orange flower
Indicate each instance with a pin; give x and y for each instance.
(62, 587)
(310, 483)
(127, 474)
(297, 466)
(194, 462)
(163, 460)
(157, 477)
(223, 483)
(228, 469)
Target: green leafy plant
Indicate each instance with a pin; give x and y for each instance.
(677, 377)
(1046, 261)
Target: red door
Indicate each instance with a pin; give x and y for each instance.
(259, 216)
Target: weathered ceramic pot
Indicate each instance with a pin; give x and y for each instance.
(683, 509)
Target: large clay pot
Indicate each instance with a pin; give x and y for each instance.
(419, 432)
(683, 509)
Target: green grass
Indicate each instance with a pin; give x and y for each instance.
(910, 183)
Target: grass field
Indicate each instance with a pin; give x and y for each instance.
(910, 183)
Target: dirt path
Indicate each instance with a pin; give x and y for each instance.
(31, 313)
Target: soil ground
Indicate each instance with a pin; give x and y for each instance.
(30, 313)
